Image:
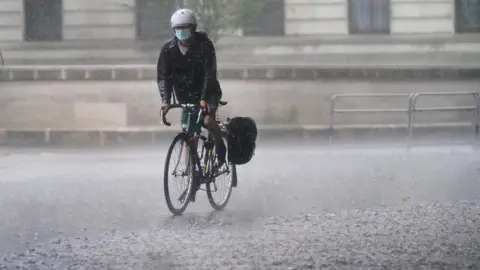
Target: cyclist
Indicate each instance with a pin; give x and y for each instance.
(187, 68)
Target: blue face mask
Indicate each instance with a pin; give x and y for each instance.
(182, 34)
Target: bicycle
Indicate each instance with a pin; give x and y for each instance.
(201, 167)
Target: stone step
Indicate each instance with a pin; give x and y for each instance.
(257, 49)
(333, 60)
(241, 41)
(340, 54)
(433, 134)
(245, 72)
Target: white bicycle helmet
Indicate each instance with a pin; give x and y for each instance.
(183, 17)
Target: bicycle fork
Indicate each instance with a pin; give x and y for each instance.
(180, 157)
(186, 172)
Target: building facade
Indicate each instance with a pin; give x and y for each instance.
(41, 20)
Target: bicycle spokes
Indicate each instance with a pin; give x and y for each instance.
(179, 157)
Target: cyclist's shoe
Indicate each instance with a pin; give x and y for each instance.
(194, 192)
(221, 150)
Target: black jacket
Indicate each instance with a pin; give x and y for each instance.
(193, 76)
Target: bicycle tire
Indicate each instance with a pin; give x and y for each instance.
(183, 138)
(233, 175)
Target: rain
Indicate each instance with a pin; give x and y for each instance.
(366, 155)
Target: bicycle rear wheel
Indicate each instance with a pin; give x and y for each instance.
(174, 169)
(227, 175)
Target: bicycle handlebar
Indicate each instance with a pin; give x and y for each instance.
(173, 106)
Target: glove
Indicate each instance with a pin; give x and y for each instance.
(204, 105)
(164, 108)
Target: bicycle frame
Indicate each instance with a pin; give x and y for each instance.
(207, 172)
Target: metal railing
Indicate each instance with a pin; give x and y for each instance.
(334, 110)
(411, 108)
(1, 59)
(474, 108)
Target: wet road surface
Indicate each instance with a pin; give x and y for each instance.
(296, 207)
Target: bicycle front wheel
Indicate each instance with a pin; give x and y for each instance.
(179, 170)
(219, 189)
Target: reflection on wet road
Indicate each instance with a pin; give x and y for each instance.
(47, 193)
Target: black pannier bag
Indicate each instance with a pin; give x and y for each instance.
(241, 138)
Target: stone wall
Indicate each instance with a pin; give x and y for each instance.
(11, 20)
(330, 17)
(106, 19)
(136, 104)
(98, 19)
(316, 17)
(422, 16)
